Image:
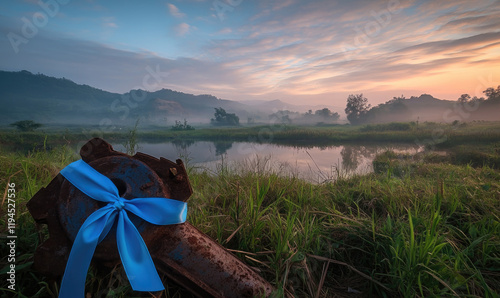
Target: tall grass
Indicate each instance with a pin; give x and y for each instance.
(414, 228)
(29, 173)
(132, 144)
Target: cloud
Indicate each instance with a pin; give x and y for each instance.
(115, 70)
(225, 30)
(182, 29)
(452, 45)
(174, 11)
(109, 22)
(110, 25)
(301, 50)
(294, 49)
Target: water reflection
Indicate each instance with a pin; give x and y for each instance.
(222, 147)
(352, 156)
(315, 164)
(182, 144)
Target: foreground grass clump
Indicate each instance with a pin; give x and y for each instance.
(29, 173)
(413, 228)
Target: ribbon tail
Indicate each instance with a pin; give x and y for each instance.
(75, 274)
(135, 257)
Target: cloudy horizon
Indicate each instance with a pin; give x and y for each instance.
(296, 51)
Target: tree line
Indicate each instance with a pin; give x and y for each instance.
(359, 111)
(223, 118)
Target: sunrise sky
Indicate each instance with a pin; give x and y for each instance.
(298, 51)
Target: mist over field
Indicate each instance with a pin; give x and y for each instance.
(60, 101)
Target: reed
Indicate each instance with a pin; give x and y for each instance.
(416, 227)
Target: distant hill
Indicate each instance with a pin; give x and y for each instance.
(168, 104)
(428, 108)
(45, 99)
(58, 100)
(49, 100)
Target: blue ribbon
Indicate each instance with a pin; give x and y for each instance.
(134, 254)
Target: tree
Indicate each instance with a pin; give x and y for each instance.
(357, 106)
(326, 114)
(476, 99)
(224, 118)
(464, 98)
(286, 119)
(26, 125)
(180, 126)
(398, 99)
(284, 116)
(492, 93)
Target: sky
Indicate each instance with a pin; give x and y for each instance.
(298, 51)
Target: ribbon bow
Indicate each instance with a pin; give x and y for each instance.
(134, 254)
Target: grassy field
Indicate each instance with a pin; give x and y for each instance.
(428, 134)
(425, 225)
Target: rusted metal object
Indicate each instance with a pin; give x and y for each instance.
(182, 252)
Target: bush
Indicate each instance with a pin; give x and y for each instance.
(26, 125)
(182, 126)
(224, 118)
(475, 158)
(393, 126)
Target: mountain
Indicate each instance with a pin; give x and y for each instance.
(173, 105)
(47, 100)
(428, 108)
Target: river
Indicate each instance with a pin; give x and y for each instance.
(313, 163)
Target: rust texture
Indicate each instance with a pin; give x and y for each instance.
(182, 252)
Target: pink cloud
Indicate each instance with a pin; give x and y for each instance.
(174, 11)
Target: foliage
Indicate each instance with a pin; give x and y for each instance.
(287, 117)
(26, 125)
(131, 144)
(400, 109)
(182, 126)
(415, 228)
(394, 110)
(401, 98)
(224, 118)
(327, 115)
(357, 106)
(492, 93)
(393, 126)
(464, 98)
(477, 132)
(284, 116)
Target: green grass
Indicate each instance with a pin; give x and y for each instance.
(430, 134)
(422, 225)
(416, 227)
